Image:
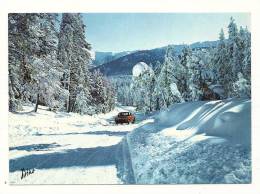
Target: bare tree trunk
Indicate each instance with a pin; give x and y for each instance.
(37, 103)
(68, 105)
(157, 104)
(150, 106)
(68, 102)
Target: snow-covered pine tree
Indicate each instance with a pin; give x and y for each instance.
(157, 68)
(35, 38)
(239, 52)
(170, 75)
(201, 75)
(21, 38)
(46, 70)
(242, 87)
(135, 88)
(246, 67)
(232, 57)
(245, 57)
(83, 102)
(109, 103)
(16, 23)
(234, 65)
(148, 85)
(182, 72)
(143, 87)
(122, 87)
(221, 66)
(75, 56)
(195, 80)
(156, 96)
(124, 94)
(98, 91)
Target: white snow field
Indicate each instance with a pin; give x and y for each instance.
(65, 148)
(196, 142)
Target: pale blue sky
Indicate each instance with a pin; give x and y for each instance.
(134, 31)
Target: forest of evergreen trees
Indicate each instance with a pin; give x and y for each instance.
(49, 65)
(201, 74)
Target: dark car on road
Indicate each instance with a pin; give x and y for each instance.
(125, 117)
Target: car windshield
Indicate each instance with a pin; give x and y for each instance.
(124, 114)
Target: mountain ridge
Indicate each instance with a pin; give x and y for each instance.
(123, 65)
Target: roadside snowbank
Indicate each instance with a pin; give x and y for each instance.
(196, 142)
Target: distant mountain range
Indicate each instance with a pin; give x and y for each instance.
(105, 57)
(122, 63)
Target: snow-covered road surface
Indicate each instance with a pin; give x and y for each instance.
(65, 148)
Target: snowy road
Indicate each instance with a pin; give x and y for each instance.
(194, 142)
(65, 148)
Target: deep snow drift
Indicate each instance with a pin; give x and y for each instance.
(196, 142)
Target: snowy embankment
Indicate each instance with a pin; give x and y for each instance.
(197, 142)
(65, 148)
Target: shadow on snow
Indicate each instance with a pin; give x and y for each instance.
(80, 157)
(109, 133)
(36, 147)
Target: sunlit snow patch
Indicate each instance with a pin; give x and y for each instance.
(139, 68)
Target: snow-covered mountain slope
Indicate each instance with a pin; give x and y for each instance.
(105, 57)
(65, 148)
(196, 142)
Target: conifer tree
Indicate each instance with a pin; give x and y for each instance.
(75, 57)
(169, 75)
(33, 54)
